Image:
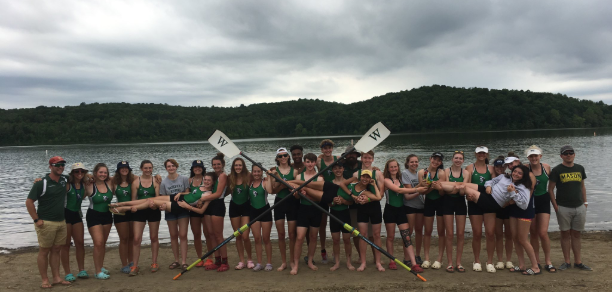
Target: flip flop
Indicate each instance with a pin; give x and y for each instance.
(516, 269)
(450, 269)
(46, 286)
(460, 269)
(63, 283)
(550, 268)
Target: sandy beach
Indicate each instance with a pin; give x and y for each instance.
(19, 273)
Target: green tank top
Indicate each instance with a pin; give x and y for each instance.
(74, 198)
(240, 195)
(192, 187)
(258, 196)
(284, 192)
(451, 178)
(99, 201)
(395, 199)
(145, 193)
(302, 200)
(341, 193)
(480, 179)
(328, 175)
(434, 194)
(356, 193)
(124, 194)
(193, 195)
(541, 182)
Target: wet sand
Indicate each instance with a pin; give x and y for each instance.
(19, 273)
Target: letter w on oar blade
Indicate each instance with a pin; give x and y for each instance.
(373, 137)
(222, 143)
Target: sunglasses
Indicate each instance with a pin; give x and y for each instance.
(568, 153)
(79, 171)
(58, 164)
(458, 151)
(282, 156)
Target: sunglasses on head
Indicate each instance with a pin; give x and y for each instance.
(79, 171)
(282, 155)
(568, 153)
(458, 151)
(58, 164)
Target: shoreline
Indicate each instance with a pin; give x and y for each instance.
(20, 273)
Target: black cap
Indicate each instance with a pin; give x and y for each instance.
(123, 164)
(567, 148)
(438, 154)
(498, 162)
(352, 150)
(339, 163)
(198, 163)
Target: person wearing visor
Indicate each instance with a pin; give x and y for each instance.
(49, 219)
(502, 225)
(570, 203)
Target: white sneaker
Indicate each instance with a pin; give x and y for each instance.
(491, 268)
(476, 267)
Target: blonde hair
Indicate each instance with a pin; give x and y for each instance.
(326, 141)
(533, 147)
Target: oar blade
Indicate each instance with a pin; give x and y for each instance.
(223, 144)
(373, 137)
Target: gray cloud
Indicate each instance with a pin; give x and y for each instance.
(231, 52)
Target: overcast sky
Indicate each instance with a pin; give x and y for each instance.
(227, 53)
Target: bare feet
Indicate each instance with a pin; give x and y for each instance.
(282, 267)
(335, 267)
(294, 271)
(349, 265)
(380, 267)
(312, 267)
(361, 268)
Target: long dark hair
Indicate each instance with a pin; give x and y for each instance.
(526, 179)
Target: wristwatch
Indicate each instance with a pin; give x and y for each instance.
(36, 220)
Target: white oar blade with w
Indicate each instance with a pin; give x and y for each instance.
(373, 137)
(223, 144)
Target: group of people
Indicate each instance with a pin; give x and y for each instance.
(510, 198)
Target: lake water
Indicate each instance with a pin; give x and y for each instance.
(23, 164)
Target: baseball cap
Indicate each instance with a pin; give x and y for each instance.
(123, 164)
(498, 162)
(78, 165)
(351, 149)
(56, 159)
(339, 163)
(438, 154)
(481, 149)
(365, 171)
(533, 152)
(567, 148)
(198, 163)
(282, 150)
(510, 159)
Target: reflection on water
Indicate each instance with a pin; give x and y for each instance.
(22, 164)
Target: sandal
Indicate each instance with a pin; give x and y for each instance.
(63, 283)
(257, 268)
(211, 267)
(450, 269)
(134, 271)
(46, 286)
(125, 270)
(516, 269)
(392, 266)
(70, 278)
(102, 276)
(174, 265)
(154, 267)
(184, 266)
(239, 266)
(499, 266)
(223, 268)
(530, 272)
(83, 275)
(268, 267)
(250, 264)
(550, 268)
(460, 269)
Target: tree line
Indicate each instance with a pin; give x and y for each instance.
(424, 109)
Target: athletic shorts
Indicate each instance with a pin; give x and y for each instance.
(94, 218)
(286, 209)
(454, 205)
(571, 218)
(475, 209)
(542, 203)
(123, 218)
(72, 217)
(344, 216)
(216, 208)
(236, 210)
(503, 213)
(256, 212)
(432, 207)
(369, 212)
(411, 210)
(177, 212)
(145, 215)
(486, 202)
(517, 212)
(309, 216)
(395, 215)
(51, 233)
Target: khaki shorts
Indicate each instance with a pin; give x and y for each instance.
(571, 218)
(51, 233)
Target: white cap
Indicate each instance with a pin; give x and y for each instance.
(482, 149)
(534, 152)
(510, 159)
(78, 165)
(281, 150)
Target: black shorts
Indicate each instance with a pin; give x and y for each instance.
(330, 191)
(542, 203)
(433, 207)
(309, 216)
(344, 216)
(94, 218)
(475, 209)
(256, 212)
(517, 212)
(123, 218)
(236, 210)
(286, 209)
(454, 205)
(145, 215)
(395, 215)
(72, 217)
(216, 208)
(411, 210)
(486, 202)
(503, 213)
(369, 212)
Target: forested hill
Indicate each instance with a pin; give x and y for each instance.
(429, 108)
